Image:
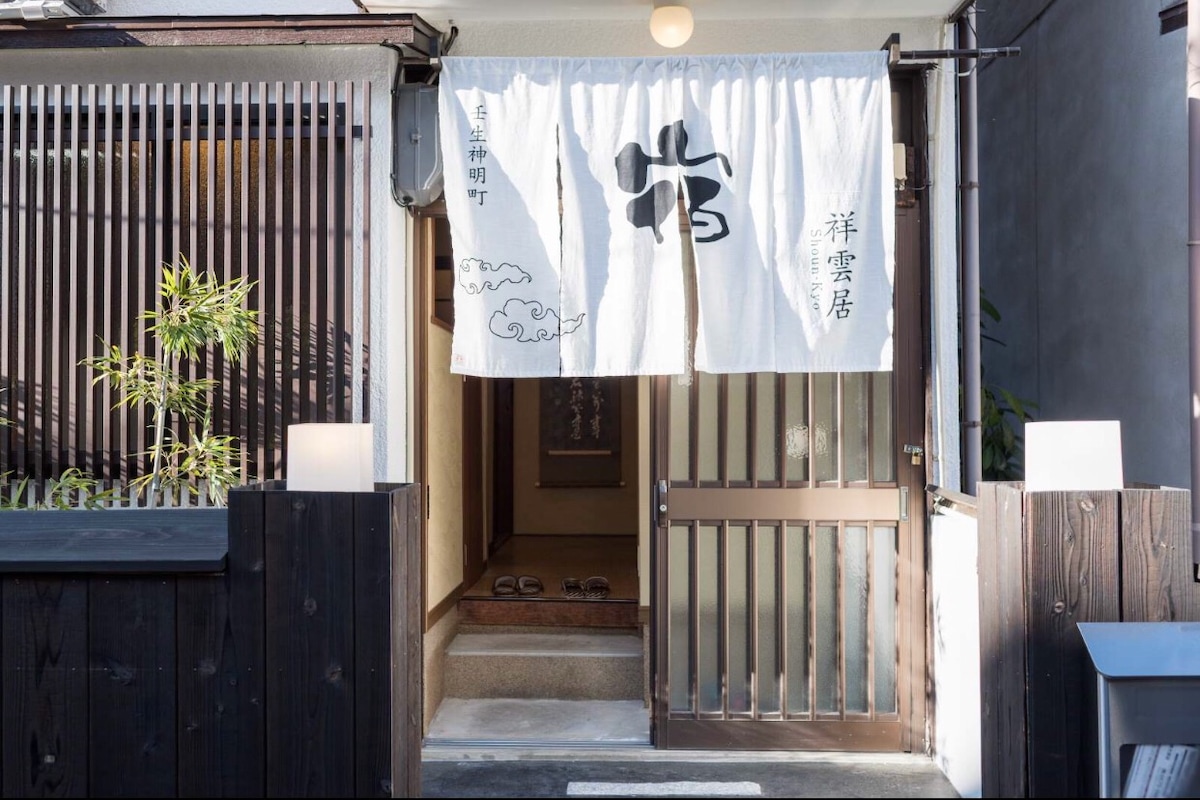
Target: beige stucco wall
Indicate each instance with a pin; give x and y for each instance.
(582, 37)
(558, 510)
(444, 527)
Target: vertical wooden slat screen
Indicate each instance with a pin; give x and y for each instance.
(102, 184)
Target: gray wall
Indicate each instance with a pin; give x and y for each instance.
(1083, 202)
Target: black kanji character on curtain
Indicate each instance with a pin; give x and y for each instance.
(652, 207)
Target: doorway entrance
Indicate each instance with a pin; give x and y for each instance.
(778, 521)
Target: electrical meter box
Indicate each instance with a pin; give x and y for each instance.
(416, 151)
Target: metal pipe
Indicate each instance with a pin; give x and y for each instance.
(1193, 116)
(968, 112)
(976, 52)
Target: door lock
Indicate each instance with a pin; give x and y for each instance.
(914, 451)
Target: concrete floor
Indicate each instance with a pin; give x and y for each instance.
(525, 722)
(645, 772)
(572, 748)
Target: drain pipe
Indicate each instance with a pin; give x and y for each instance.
(968, 117)
(1193, 117)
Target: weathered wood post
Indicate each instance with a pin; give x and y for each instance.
(343, 694)
(1048, 560)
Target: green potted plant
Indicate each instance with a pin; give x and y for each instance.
(1003, 444)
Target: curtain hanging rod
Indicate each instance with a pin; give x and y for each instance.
(895, 54)
(979, 52)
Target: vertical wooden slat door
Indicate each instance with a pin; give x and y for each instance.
(789, 564)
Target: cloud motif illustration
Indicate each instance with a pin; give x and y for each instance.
(477, 275)
(530, 321)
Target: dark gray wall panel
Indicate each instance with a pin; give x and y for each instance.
(1102, 310)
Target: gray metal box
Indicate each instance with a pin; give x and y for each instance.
(1148, 684)
(416, 151)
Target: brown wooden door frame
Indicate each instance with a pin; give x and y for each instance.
(502, 464)
(472, 480)
(474, 555)
(911, 731)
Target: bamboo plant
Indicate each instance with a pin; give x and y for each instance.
(194, 312)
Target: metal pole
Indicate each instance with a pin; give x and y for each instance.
(1193, 116)
(968, 111)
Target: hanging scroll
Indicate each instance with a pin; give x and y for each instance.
(580, 432)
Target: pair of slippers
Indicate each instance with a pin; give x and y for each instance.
(511, 586)
(594, 588)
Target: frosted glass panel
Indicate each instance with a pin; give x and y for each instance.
(825, 433)
(854, 602)
(854, 425)
(798, 700)
(795, 433)
(681, 448)
(678, 638)
(885, 605)
(883, 436)
(766, 427)
(768, 621)
(708, 426)
(740, 675)
(709, 629)
(738, 425)
(825, 642)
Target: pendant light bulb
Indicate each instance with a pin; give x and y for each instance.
(671, 24)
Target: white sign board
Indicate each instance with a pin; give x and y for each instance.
(1076, 455)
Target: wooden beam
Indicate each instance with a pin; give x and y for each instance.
(407, 30)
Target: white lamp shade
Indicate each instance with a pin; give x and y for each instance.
(1075, 455)
(671, 26)
(330, 457)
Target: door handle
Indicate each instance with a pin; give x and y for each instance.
(660, 503)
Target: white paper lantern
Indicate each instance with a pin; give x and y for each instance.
(330, 457)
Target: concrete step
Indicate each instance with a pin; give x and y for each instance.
(544, 722)
(545, 665)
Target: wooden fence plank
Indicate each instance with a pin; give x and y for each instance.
(44, 698)
(1003, 766)
(1071, 564)
(373, 632)
(408, 612)
(222, 666)
(131, 726)
(114, 540)
(309, 644)
(1156, 556)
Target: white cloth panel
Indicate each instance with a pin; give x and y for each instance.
(833, 213)
(622, 273)
(499, 127)
(785, 163)
(727, 184)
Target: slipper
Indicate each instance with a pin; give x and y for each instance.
(504, 586)
(573, 587)
(528, 585)
(596, 588)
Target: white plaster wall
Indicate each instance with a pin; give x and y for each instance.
(954, 587)
(632, 37)
(388, 391)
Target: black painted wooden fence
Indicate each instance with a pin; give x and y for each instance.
(288, 667)
(1047, 561)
